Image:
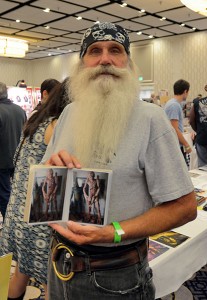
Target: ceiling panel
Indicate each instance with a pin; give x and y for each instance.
(59, 6)
(96, 15)
(117, 10)
(32, 15)
(155, 5)
(71, 24)
(132, 25)
(6, 5)
(151, 21)
(65, 31)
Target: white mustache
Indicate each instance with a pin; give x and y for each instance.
(106, 70)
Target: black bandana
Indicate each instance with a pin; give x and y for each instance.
(104, 32)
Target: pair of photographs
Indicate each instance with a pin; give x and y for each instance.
(59, 194)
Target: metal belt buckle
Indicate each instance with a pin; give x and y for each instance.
(54, 259)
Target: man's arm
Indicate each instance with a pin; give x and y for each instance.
(158, 219)
(181, 138)
(192, 119)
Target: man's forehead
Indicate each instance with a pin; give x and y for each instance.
(105, 44)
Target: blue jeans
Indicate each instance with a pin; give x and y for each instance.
(5, 189)
(202, 155)
(129, 283)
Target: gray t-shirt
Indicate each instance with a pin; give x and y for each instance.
(148, 167)
(174, 111)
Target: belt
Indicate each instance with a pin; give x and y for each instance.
(81, 262)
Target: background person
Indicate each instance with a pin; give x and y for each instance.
(109, 128)
(12, 119)
(198, 121)
(174, 112)
(46, 87)
(30, 245)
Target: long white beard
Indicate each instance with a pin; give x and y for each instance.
(103, 104)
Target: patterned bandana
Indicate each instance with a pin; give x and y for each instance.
(104, 32)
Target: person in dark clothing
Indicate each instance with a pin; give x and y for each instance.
(198, 121)
(12, 119)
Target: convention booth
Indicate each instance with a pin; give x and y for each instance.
(176, 255)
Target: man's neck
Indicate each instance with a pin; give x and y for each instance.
(179, 98)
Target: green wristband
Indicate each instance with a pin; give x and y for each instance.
(118, 232)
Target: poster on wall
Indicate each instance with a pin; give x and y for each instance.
(21, 97)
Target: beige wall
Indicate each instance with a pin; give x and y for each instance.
(170, 59)
(179, 57)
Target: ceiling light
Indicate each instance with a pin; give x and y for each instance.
(142, 10)
(150, 36)
(199, 6)
(47, 27)
(97, 22)
(18, 21)
(162, 19)
(12, 47)
(124, 4)
(49, 54)
(182, 25)
(47, 10)
(79, 18)
(139, 33)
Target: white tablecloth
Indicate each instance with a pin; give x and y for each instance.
(174, 267)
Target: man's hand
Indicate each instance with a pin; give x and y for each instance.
(85, 234)
(63, 158)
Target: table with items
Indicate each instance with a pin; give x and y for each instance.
(176, 255)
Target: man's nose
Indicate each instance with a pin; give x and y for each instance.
(105, 58)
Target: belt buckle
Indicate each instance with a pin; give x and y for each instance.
(55, 250)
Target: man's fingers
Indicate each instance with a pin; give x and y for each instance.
(63, 158)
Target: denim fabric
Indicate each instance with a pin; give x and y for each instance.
(131, 283)
(202, 155)
(5, 189)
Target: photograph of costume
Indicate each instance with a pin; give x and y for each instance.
(89, 197)
(48, 195)
(170, 238)
(155, 250)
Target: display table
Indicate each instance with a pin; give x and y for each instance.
(172, 268)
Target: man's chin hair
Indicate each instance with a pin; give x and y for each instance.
(102, 110)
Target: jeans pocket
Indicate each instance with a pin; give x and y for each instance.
(148, 285)
(124, 281)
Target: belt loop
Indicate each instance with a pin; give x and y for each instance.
(139, 249)
(88, 266)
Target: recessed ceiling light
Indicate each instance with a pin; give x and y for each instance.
(193, 29)
(182, 25)
(97, 22)
(18, 21)
(79, 18)
(49, 54)
(150, 36)
(46, 27)
(139, 33)
(47, 10)
(124, 4)
(142, 10)
(162, 19)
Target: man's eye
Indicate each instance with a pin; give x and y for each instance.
(115, 50)
(95, 50)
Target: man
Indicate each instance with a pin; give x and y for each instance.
(173, 109)
(108, 127)
(49, 190)
(12, 119)
(91, 191)
(198, 121)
